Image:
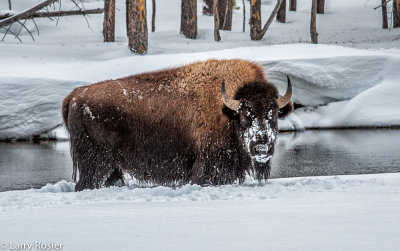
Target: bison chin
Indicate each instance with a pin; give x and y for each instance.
(260, 170)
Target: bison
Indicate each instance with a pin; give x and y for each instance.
(204, 123)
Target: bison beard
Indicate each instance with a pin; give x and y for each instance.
(172, 125)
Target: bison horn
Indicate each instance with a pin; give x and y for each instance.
(228, 101)
(283, 101)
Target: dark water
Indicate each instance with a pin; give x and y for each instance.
(28, 165)
(309, 153)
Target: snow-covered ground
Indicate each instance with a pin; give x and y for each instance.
(320, 213)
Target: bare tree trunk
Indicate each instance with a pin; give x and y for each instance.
(384, 15)
(225, 14)
(189, 18)
(153, 16)
(321, 7)
(281, 15)
(396, 13)
(109, 21)
(255, 19)
(217, 37)
(292, 5)
(244, 16)
(136, 26)
(9, 4)
(313, 29)
(209, 8)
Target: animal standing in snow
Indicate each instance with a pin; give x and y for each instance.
(205, 123)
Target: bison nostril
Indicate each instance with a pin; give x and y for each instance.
(260, 149)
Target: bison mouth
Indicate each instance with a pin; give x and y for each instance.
(260, 161)
(260, 164)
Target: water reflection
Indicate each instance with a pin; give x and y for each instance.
(335, 152)
(309, 153)
(27, 165)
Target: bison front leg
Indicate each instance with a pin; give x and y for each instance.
(221, 166)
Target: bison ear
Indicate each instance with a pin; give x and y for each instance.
(286, 110)
(230, 113)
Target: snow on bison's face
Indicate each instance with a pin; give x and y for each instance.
(255, 112)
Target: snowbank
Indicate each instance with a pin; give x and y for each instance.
(336, 213)
(31, 106)
(354, 86)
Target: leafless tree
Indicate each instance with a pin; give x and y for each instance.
(292, 5)
(153, 16)
(244, 16)
(189, 18)
(208, 9)
(396, 13)
(136, 26)
(281, 15)
(384, 15)
(109, 21)
(313, 23)
(321, 7)
(256, 33)
(225, 14)
(7, 20)
(217, 36)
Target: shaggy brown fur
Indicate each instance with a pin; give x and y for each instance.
(160, 126)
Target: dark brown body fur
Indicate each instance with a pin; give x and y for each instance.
(161, 126)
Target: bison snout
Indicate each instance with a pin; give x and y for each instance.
(259, 149)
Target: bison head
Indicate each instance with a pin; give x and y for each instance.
(255, 110)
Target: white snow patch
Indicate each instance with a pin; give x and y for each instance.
(60, 187)
(87, 111)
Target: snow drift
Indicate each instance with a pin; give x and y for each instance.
(336, 213)
(340, 87)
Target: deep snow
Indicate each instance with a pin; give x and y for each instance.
(355, 87)
(321, 213)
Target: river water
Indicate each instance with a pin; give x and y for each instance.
(308, 153)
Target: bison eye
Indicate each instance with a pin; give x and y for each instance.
(245, 121)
